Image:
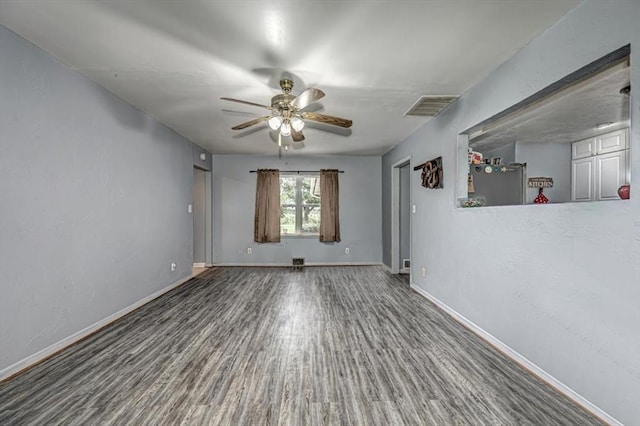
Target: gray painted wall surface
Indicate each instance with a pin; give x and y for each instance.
(93, 199)
(548, 160)
(405, 213)
(558, 283)
(199, 216)
(234, 201)
(196, 151)
(507, 153)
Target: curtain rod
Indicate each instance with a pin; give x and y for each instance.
(297, 171)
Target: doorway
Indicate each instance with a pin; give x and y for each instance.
(401, 217)
(202, 236)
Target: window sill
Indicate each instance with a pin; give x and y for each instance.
(300, 237)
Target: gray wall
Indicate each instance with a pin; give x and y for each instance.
(405, 213)
(93, 202)
(234, 200)
(196, 151)
(558, 283)
(548, 160)
(507, 153)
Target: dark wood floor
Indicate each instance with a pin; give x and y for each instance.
(349, 345)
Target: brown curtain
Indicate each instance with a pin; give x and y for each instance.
(266, 227)
(329, 207)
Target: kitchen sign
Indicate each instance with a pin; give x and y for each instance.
(540, 182)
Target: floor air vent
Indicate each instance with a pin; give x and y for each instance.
(297, 262)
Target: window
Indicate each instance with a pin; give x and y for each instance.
(299, 205)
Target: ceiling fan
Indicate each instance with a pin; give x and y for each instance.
(287, 113)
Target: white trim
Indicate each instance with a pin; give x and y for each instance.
(199, 265)
(306, 264)
(208, 215)
(75, 337)
(395, 213)
(521, 360)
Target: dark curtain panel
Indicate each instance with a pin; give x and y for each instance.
(329, 208)
(266, 227)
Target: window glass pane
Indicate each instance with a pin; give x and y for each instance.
(311, 219)
(299, 205)
(287, 190)
(287, 220)
(311, 190)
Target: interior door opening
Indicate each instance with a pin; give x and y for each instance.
(202, 237)
(401, 217)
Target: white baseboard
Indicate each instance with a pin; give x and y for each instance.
(271, 265)
(75, 337)
(521, 360)
(199, 265)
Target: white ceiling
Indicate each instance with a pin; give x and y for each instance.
(570, 115)
(373, 59)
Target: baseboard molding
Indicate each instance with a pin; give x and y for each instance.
(199, 265)
(521, 360)
(45, 353)
(280, 265)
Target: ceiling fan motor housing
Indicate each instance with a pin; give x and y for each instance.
(282, 103)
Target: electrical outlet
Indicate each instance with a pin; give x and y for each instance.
(190, 208)
(347, 251)
(249, 250)
(173, 266)
(413, 208)
(424, 272)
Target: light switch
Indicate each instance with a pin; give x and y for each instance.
(413, 208)
(190, 208)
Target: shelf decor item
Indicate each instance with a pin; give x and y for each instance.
(472, 202)
(624, 192)
(541, 198)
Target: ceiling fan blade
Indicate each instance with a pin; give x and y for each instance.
(251, 123)
(246, 102)
(328, 119)
(307, 97)
(296, 136)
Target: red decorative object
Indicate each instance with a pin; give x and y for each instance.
(624, 191)
(540, 199)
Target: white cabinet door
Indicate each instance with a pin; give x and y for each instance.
(582, 179)
(610, 174)
(611, 142)
(583, 149)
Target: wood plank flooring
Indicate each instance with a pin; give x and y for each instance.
(267, 346)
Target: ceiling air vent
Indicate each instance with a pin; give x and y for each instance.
(430, 106)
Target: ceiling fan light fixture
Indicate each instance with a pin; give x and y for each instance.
(285, 129)
(297, 124)
(275, 122)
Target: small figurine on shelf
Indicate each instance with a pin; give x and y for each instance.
(540, 199)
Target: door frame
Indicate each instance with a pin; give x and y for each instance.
(208, 222)
(395, 214)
